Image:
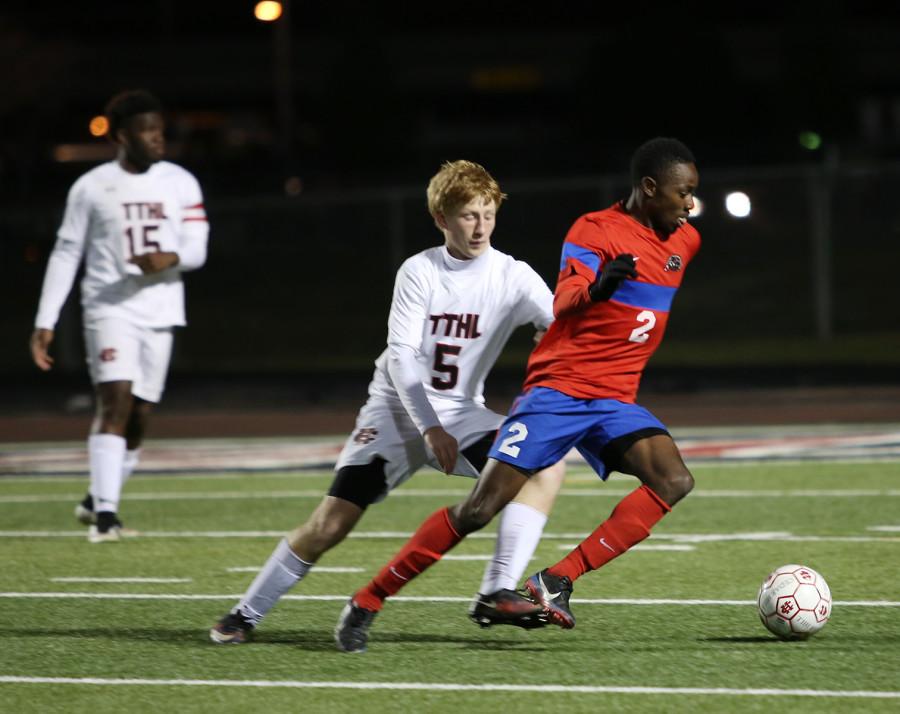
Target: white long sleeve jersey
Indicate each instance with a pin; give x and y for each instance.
(448, 322)
(112, 215)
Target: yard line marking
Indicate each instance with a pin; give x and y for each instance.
(451, 493)
(317, 569)
(884, 529)
(457, 687)
(650, 547)
(404, 598)
(28, 476)
(121, 580)
(777, 536)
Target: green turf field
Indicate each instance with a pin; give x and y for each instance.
(102, 646)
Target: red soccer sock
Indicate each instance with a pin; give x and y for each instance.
(434, 538)
(629, 523)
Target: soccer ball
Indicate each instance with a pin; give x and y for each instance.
(794, 602)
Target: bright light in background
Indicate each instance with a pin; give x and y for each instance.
(697, 210)
(737, 204)
(809, 140)
(267, 11)
(98, 126)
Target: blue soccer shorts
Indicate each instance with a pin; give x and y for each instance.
(544, 425)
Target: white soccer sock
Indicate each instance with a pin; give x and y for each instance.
(281, 572)
(130, 462)
(519, 533)
(106, 452)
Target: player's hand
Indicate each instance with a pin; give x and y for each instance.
(155, 262)
(40, 345)
(612, 275)
(444, 447)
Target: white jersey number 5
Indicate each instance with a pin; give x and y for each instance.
(639, 334)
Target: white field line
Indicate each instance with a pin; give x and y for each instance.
(639, 547)
(317, 569)
(578, 472)
(120, 580)
(460, 493)
(404, 598)
(384, 535)
(460, 687)
(885, 529)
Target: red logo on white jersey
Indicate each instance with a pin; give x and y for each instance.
(108, 354)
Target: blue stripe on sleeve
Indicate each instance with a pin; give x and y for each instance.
(585, 256)
(645, 295)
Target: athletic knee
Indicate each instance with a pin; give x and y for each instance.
(472, 515)
(672, 485)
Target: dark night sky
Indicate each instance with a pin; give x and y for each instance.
(380, 92)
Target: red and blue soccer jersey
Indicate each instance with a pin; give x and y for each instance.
(598, 350)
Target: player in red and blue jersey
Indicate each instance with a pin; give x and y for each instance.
(620, 270)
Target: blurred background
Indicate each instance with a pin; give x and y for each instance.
(314, 128)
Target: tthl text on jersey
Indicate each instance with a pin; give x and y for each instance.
(455, 325)
(139, 210)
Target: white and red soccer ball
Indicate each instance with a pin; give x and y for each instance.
(794, 602)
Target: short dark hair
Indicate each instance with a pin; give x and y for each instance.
(653, 158)
(126, 104)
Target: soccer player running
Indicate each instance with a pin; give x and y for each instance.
(619, 272)
(453, 309)
(138, 222)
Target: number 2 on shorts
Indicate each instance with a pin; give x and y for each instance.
(519, 433)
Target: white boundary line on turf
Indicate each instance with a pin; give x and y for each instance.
(307, 473)
(461, 687)
(383, 535)
(405, 598)
(455, 493)
(120, 580)
(317, 569)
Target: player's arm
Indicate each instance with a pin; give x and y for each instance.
(61, 270)
(408, 314)
(193, 234)
(535, 301)
(587, 275)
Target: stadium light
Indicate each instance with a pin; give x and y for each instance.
(737, 203)
(98, 126)
(267, 11)
(697, 210)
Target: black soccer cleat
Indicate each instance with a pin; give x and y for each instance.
(84, 511)
(507, 607)
(352, 630)
(233, 629)
(552, 592)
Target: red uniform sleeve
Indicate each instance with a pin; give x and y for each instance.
(579, 267)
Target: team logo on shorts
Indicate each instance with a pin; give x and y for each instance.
(366, 435)
(673, 264)
(108, 354)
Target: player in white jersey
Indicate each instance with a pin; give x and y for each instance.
(137, 222)
(453, 309)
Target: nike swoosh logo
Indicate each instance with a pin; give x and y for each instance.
(394, 572)
(607, 545)
(546, 592)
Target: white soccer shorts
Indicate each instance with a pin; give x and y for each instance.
(118, 350)
(384, 429)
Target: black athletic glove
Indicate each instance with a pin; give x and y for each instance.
(614, 272)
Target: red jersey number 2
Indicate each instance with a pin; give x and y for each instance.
(441, 352)
(641, 334)
(149, 246)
